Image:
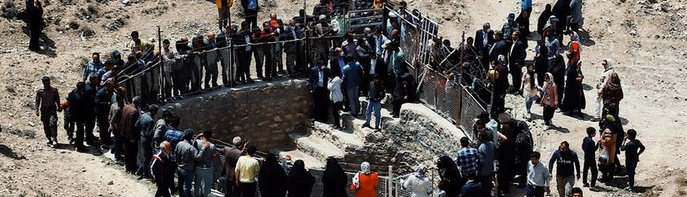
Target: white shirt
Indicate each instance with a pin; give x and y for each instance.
(485, 38)
(320, 78)
(537, 175)
(247, 37)
(334, 86)
(373, 66)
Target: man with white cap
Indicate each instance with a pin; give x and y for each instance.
(231, 155)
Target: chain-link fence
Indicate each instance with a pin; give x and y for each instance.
(145, 84)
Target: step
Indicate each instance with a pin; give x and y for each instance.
(317, 147)
(340, 137)
(355, 124)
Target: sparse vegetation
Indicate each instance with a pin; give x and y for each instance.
(8, 9)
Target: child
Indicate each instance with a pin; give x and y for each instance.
(590, 147)
(529, 89)
(631, 155)
(69, 123)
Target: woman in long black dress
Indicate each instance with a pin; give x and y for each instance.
(300, 181)
(334, 180)
(574, 100)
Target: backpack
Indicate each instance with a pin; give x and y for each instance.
(524, 142)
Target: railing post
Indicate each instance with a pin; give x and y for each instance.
(390, 184)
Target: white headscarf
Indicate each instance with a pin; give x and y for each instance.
(365, 169)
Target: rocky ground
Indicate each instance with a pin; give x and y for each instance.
(644, 37)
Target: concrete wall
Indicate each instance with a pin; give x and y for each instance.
(264, 113)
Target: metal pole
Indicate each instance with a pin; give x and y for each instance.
(389, 187)
(163, 84)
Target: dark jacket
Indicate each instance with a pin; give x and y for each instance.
(589, 147)
(314, 77)
(450, 178)
(405, 90)
(79, 106)
(499, 48)
(336, 67)
(479, 39)
(163, 169)
(376, 92)
(543, 19)
(519, 53)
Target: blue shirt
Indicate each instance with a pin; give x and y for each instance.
(488, 152)
(525, 4)
(351, 73)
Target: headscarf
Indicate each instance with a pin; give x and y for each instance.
(272, 177)
(421, 170)
(575, 37)
(365, 168)
(613, 91)
(609, 64)
(550, 77)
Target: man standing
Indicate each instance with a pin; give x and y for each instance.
(352, 76)
(484, 38)
(130, 133)
(590, 147)
(35, 11)
(231, 156)
(115, 118)
(467, 159)
(292, 32)
(518, 54)
(161, 126)
(103, 102)
(92, 67)
(186, 156)
(146, 125)
(250, 12)
(211, 57)
(633, 149)
(318, 77)
(565, 174)
(47, 100)
(509, 28)
(243, 54)
(78, 107)
(162, 169)
(204, 165)
(374, 97)
(247, 168)
(538, 177)
(487, 151)
(575, 15)
(224, 10)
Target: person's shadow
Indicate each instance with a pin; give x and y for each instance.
(8, 152)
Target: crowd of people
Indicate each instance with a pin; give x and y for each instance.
(372, 65)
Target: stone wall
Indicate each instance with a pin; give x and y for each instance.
(419, 136)
(264, 113)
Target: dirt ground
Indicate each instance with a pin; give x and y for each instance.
(645, 38)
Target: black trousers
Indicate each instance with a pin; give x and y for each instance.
(196, 74)
(397, 106)
(548, 113)
(49, 119)
(130, 153)
(90, 126)
(34, 35)
(320, 101)
(103, 130)
(162, 190)
(516, 73)
(575, 27)
(336, 107)
(269, 61)
(248, 189)
(251, 17)
(590, 163)
(242, 71)
(232, 189)
(79, 134)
